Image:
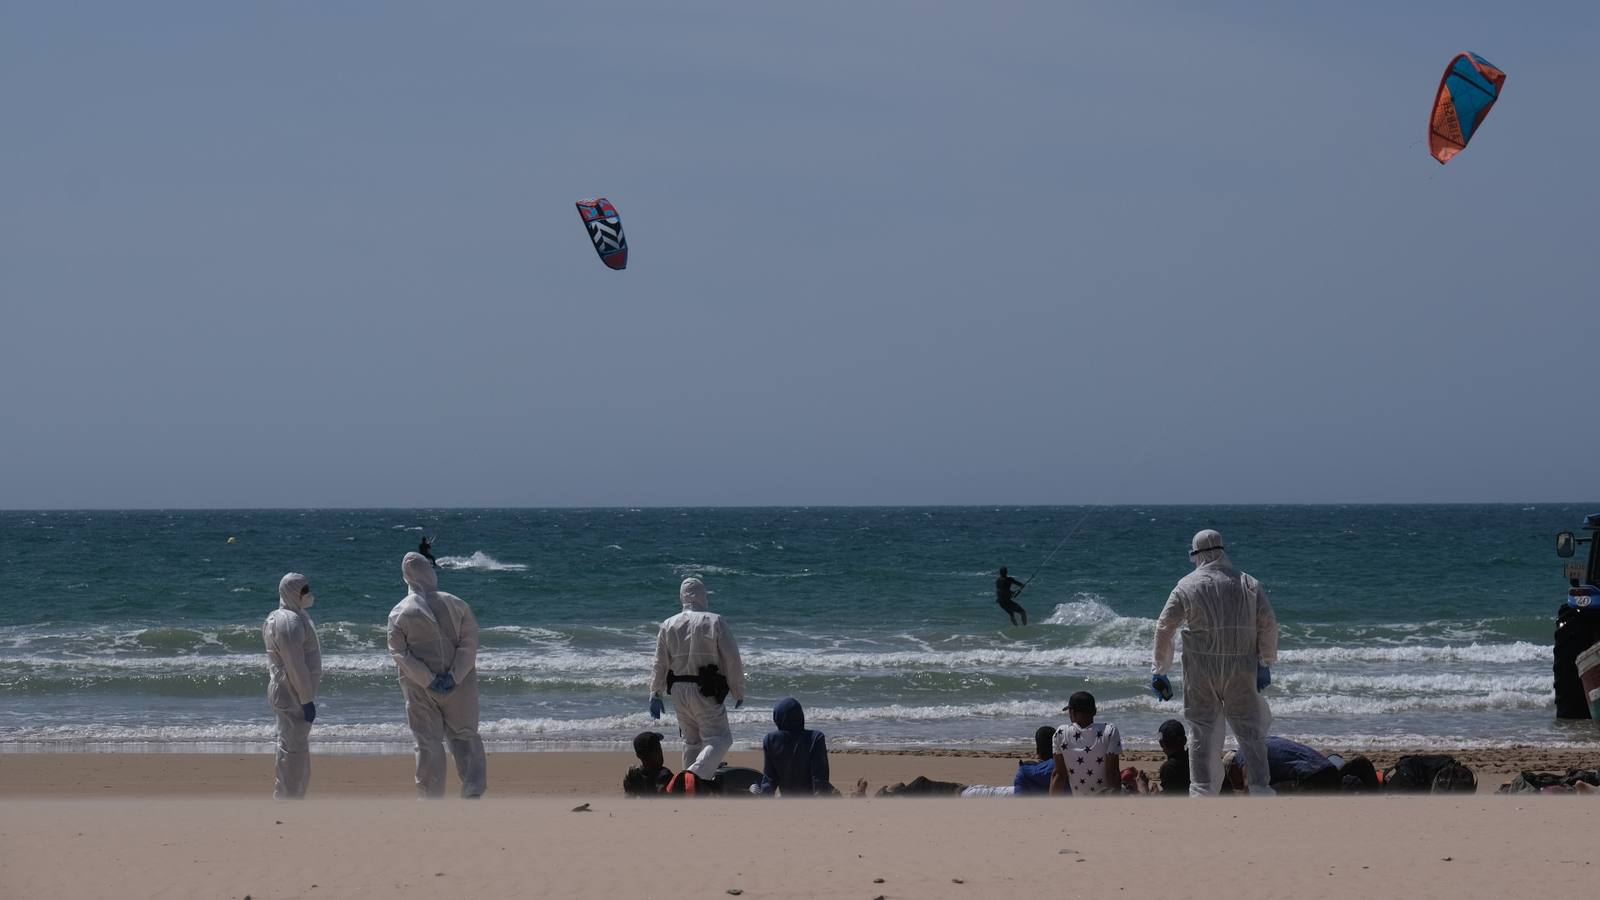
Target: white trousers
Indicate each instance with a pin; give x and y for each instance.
(703, 722)
(437, 719)
(293, 773)
(1218, 689)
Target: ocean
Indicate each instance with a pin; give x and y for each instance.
(1402, 625)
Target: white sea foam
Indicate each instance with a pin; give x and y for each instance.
(754, 719)
(1518, 651)
(684, 570)
(1086, 610)
(480, 561)
(1318, 681)
(550, 652)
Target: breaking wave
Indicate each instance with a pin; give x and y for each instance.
(479, 561)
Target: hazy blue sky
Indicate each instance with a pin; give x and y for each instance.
(308, 254)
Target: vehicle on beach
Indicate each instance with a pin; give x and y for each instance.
(1577, 637)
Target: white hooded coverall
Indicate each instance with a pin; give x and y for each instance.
(294, 661)
(432, 632)
(693, 638)
(1228, 628)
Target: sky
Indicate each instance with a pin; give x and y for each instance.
(321, 255)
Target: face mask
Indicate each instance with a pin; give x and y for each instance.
(307, 600)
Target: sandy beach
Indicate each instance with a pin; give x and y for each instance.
(201, 825)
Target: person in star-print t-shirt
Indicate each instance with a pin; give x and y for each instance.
(1086, 753)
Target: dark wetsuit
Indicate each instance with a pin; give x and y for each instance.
(1175, 774)
(426, 549)
(642, 782)
(1004, 595)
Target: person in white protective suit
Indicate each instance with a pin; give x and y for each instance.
(687, 644)
(433, 637)
(294, 664)
(1230, 642)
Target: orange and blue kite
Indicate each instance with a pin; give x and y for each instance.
(1468, 90)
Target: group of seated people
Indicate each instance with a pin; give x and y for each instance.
(794, 764)
(1081, 757)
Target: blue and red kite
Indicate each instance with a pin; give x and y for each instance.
(605, 229)
(1467, 92)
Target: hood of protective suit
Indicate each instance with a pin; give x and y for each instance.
(692, 593)
(1207, 548)
(289, 591)
(419, 574)
(788, 715)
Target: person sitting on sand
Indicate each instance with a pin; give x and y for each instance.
(1086, 752)
(651, 775)
(794, 759)
(1034, 778)
(1173, 778)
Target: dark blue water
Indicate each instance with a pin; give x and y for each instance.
(1402, 624)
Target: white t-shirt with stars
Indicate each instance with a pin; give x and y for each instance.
(1084, 750)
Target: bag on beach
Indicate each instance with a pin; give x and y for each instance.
(1550, 782)
(1530, 782)
(1591, 776)
(1420, 775)
(689, 785)
(1359, 774)
(1455, 779)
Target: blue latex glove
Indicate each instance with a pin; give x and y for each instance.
(1161, 686)
(309, 710)
(1263, 677)
(656, 707)
(444, 683)
(738, 703)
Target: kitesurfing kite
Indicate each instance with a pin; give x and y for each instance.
(605, 229)
(1468, 90)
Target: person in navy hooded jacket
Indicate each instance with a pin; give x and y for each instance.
(794, 758)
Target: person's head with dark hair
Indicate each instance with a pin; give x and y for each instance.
(1080, 709)
(1174, 740)
(651, 775)
(1043, 741)
(1003, 572)
(647, 746)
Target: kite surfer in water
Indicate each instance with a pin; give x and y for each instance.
(426, 549)
(1007, 597)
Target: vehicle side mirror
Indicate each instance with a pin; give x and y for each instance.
(1566, 545)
